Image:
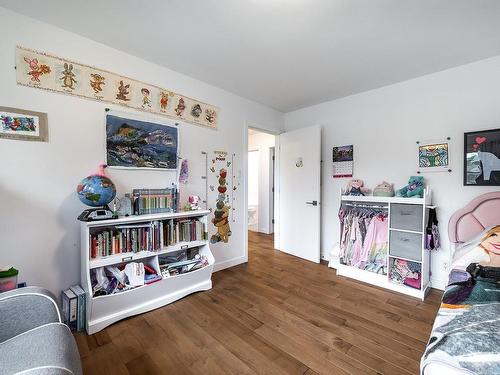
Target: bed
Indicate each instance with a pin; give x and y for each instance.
(465, 338)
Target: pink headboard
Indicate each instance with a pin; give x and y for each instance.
(480, 213)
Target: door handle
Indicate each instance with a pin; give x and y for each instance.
(312, 203)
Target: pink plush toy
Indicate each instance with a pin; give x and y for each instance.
(355, 187)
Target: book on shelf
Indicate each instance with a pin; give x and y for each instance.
(152, 236)
(153, 201)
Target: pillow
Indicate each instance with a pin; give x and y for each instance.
(483, 249)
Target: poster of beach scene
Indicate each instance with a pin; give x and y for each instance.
(132, 143)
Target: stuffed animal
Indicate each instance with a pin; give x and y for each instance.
(193, 203)
(355, 187)
(384, 189)
(415, 188)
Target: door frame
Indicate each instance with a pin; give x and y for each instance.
(276, 182)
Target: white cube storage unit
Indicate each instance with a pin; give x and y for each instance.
(407, 223)
(104, 310)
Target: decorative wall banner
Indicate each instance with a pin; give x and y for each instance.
(133, 142)
(39, 70)
(23, 125)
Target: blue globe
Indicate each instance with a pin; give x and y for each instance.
(96, 191)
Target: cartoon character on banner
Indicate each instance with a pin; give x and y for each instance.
(221, 212)
(36, 70)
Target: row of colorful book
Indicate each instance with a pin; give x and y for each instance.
(154, 201)
(153, 236)
(74, 307)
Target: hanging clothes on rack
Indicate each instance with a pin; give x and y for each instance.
(364, 236)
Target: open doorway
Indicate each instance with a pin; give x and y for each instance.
(260, 189)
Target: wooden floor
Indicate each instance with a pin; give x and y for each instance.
(276, 315)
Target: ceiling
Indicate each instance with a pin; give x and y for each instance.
(286, 54)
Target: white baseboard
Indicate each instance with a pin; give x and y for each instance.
(230, 263)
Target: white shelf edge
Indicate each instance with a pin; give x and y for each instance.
(140, 218)
(118, 258)
(381, 281)
(403, 258)
(406, 231)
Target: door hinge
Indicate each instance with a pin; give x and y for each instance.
(273, 158)
(272, 190)
(272, 221)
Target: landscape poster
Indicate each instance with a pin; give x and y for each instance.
(132, 143)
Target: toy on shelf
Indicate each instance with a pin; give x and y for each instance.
(355, 187)
(385, 189)
(193, 203)
(415, 188)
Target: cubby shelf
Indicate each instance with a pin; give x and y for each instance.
(127, 257)
(403, 213)
(105, 310)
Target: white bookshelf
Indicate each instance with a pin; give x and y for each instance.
(414, 235)
(107, 309)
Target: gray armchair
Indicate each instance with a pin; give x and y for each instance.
(33, 340)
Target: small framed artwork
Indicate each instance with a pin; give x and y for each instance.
(482, 158)
(343, 161)
(23, 125)
(433, 155)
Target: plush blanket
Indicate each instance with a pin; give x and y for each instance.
(466, 333)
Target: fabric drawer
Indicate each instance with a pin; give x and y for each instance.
(406, 216)
(405, 245)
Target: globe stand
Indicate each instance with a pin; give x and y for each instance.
(96, 213)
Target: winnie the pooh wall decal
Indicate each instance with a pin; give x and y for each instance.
(51, 73)
(222, 188)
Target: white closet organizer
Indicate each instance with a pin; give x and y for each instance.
(107, 309)
(407, 222)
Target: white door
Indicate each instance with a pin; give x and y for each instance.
(300, 192)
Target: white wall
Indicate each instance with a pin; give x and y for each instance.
(263, 142)
(383, 125)
(39, 233)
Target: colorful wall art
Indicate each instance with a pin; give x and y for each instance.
(482, 158)
(133, 143)
(343, 161)
(433, 155)
(39, 70)
(221, 191)
(23, 125)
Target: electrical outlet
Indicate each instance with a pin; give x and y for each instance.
(445, 266)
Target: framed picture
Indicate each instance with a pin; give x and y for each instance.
(135, 142)
(343, 161)
(482, 158)
(433, 156)
(23, 125)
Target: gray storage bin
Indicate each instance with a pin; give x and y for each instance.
(406, 216)
(405, 245)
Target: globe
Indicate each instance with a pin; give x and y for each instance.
(96, 190)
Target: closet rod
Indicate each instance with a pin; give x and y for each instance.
(363, 205)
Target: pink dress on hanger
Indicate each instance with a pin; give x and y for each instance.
(375, 244)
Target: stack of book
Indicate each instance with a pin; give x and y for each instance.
(125, 239)
(74, 307)
(154, 201)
